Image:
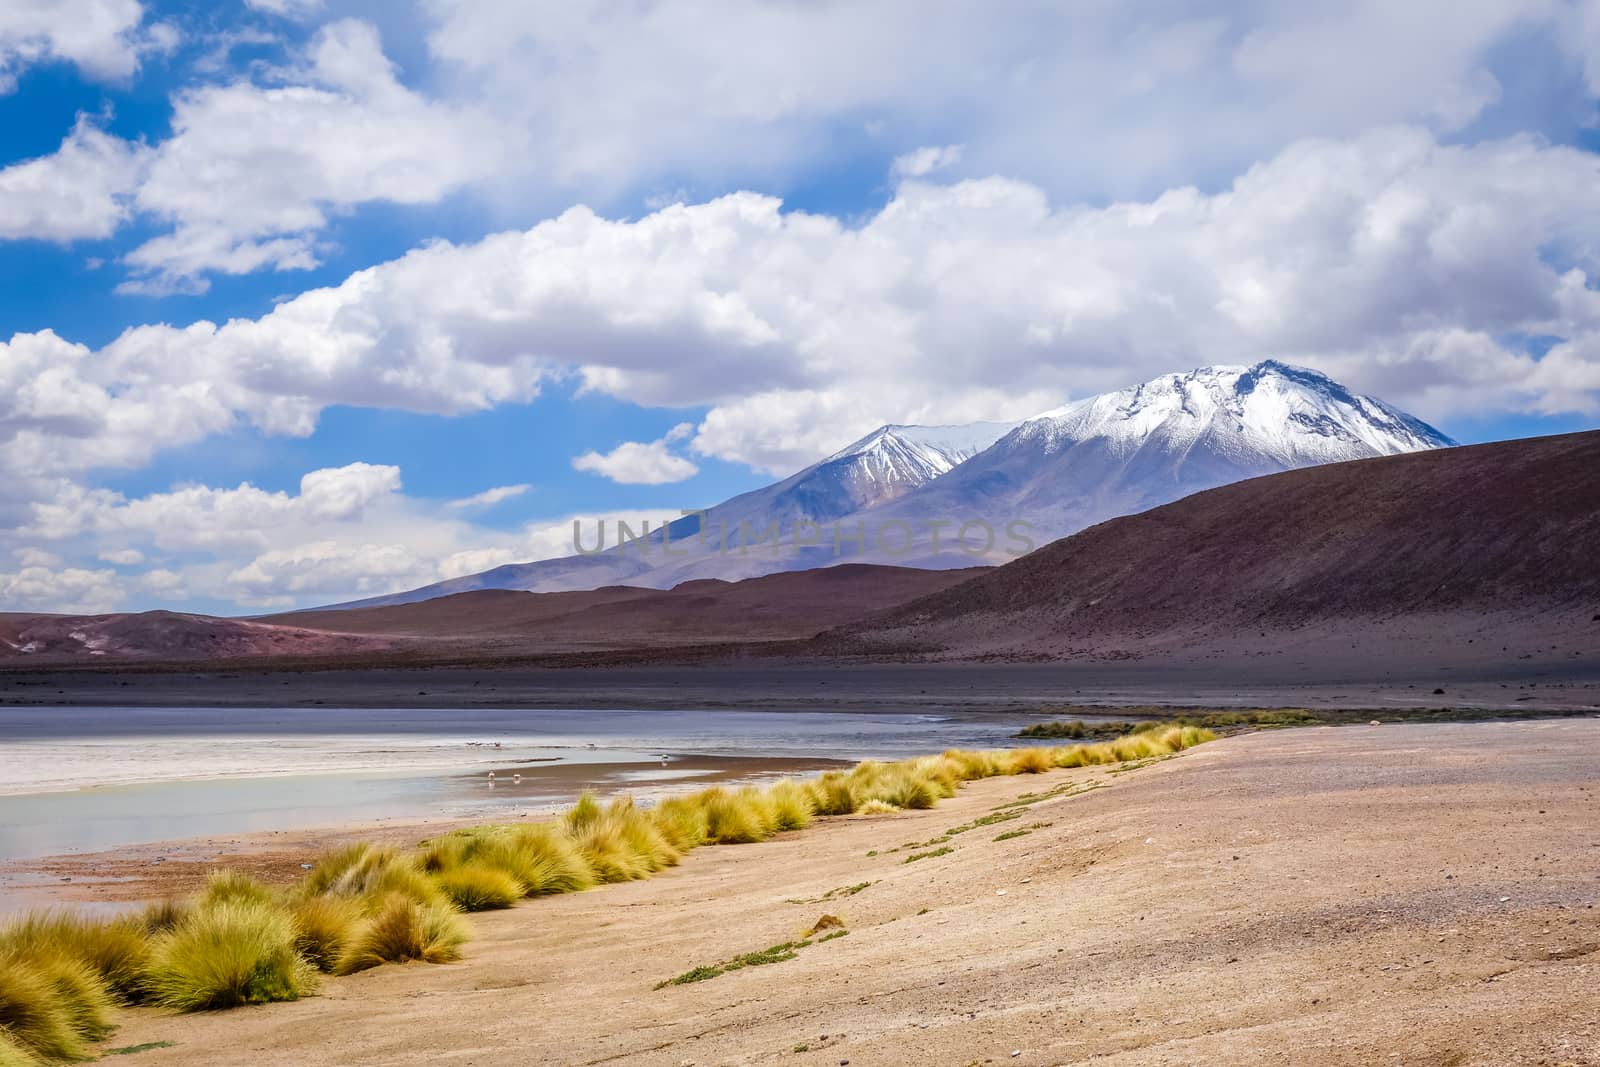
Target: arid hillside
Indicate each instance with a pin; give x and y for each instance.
(487, 623)
(1464, 543)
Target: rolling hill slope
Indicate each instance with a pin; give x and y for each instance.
(1476, 541)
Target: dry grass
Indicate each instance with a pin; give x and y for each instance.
(240, 942)
(478, 887)
(14, 1054)
(226, 954)
(402, 929)
(324, 929)
(115, 949)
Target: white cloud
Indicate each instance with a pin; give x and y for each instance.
(490, 497)
(103, 38)
(253, 172)
(1082, 99)
(289, 9)
(79, 191)
(349, 532)
(924, 161)
(71, 590)
(641, 463)
(1372, 258)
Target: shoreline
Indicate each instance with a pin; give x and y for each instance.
(1553, 683)
(1216, 907)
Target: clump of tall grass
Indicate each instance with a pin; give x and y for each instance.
(683, 821)
(163, 915)
(369, 872)
(228, 953)
(115, 949)
(51, 1002)
(620, 842)
(541, 857)
(324, 928)
(832, 794)
(227, 886)
(478, 887)
(732, 818)
(1029, 761)
(402, 929)
(791, 805)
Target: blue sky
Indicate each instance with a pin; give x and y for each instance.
(286, 284)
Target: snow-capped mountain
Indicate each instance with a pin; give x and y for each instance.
(880, 468)
(1136, 448)
(887, 497)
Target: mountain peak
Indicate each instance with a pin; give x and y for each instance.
(1285, 415)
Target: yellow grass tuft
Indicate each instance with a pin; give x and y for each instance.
(733, 818)
(620, 842)
(324, 928)
(1030, 761)
(403, 929)
(791, 804)
(226, 954)
(163, 915)
(682, 821)
(832, 794)
(114, 949)
(477, 887)
(227, 886)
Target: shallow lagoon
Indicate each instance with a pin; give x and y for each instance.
(84, 779)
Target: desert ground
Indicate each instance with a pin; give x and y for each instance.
(1406, 894)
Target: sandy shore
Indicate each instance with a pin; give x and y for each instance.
(1361, 895)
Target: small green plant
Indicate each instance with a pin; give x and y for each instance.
(1009, 834)
(986, 820)
(130, 1050)
(915, 856)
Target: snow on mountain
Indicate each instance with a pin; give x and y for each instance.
(1270, 412)
(955, 496)
(878, 469)
(1150, 444)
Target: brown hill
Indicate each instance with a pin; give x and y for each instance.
(776, 607)
(1488, 543)
(487, 623)
(161, 635)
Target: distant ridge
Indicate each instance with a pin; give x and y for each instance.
(1107, 455)
(1472, 537)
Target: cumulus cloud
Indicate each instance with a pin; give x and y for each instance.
(79, 191)
(348, 532)
(1406, 266)
(1097, 100)
(103, 38)
(254, 168)
(640, 463)
(70, 589)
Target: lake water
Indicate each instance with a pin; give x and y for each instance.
(85, 779)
